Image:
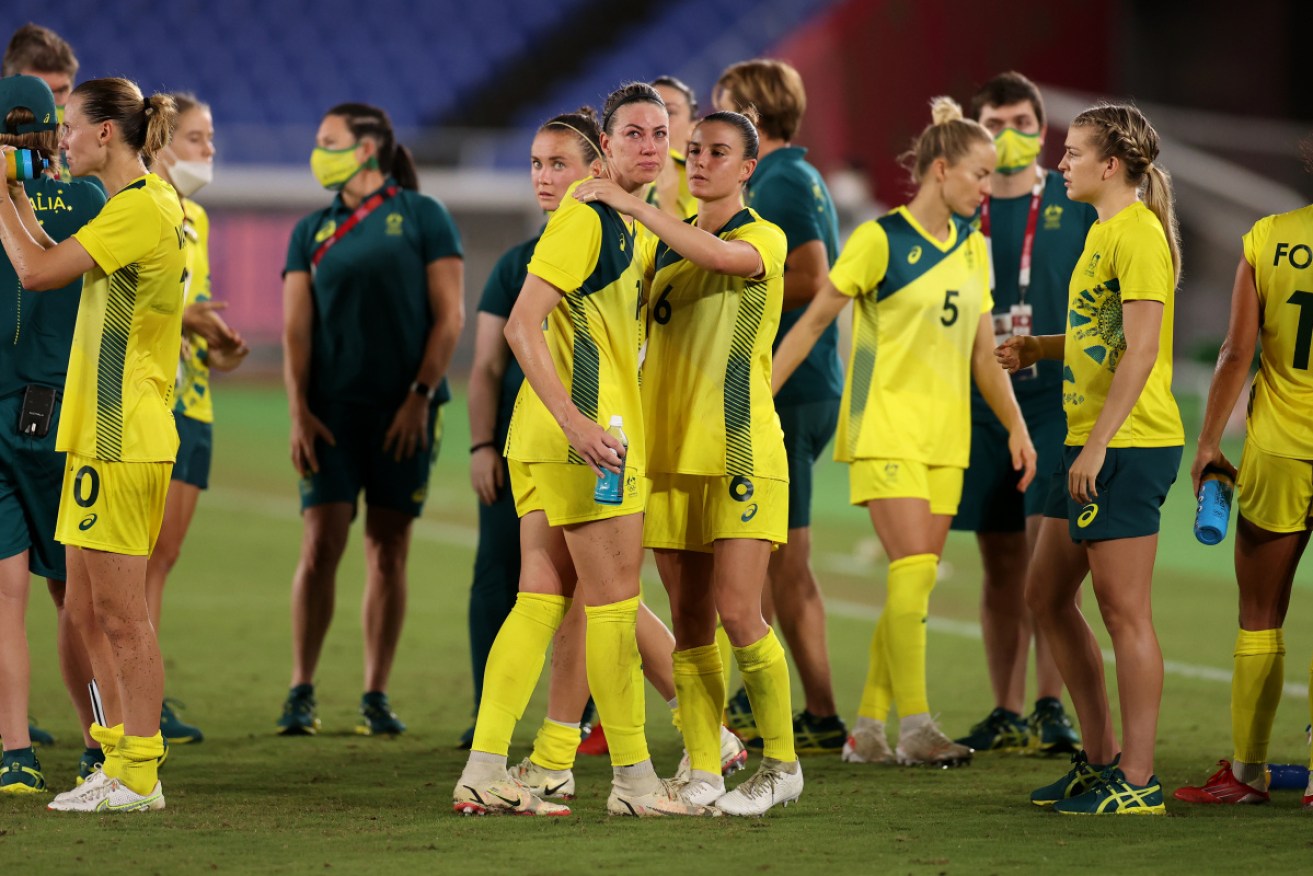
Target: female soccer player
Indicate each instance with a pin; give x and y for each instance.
(716, 466)
(1124, 440)
(373, 296)
(117, 424)
(575, 332)
(1275, 484)
(187, 164)
(670, 191)
(921, 279)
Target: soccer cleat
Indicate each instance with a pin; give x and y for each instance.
(1222, 787)
(1050, 728)
(377, 717)
(543, 782)
(299, 718)
(501, 797)
(174, 728)
(21, 774)
(88, 793)
(700, 792)
(594, 744)
(868, 745)
(1080, 778)
(90, 764)
(37, 735)
(771, 785)
(1113, 795)
(812, 735)
(665, 800)
(1002, 730)
(928, 745)
(738, 716)
(108, 797)
(733, 756)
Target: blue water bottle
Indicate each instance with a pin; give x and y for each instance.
(610, 489)
(1214, 512)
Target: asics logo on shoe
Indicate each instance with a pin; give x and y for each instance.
(87, 522)
(1087, 515)
(750, 513)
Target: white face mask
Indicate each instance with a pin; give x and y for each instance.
(189, 177)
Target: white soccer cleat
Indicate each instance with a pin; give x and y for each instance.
(108, 797)
(771, 785)
(733, 756)
(868, 745)
(501, 797)
(543, 782)
(92, 790)
(701, 792)
(664, 800)
(928, 745)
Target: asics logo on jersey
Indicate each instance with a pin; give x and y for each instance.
(1087, 515)
(88, 522)
(1299, 255)
(750, 513)
(914, 255)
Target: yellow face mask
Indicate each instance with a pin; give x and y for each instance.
(1016, 151)
(334, 168)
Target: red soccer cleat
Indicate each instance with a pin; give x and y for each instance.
(1222, 787)
(595, 743)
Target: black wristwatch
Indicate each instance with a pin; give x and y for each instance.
(424, 389)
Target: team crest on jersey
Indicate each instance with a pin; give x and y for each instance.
(1052, 217)
(394, 224)
(326, 231)
(914, 255)
(1096, 321)
(1093, 265)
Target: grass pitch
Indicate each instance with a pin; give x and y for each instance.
(246, 800)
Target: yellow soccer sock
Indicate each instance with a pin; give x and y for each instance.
(1260, 662)
(765, 674)
(109, 739)
(555, 745)
(700, 685)
(514, 665)
(139, 760)
(905, 609)
(726, 650)
(615, 676)
(877, 695)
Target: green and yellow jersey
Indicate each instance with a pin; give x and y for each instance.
(918, 305)
(707, 407)
(1125, 259)
(688, 205)
(1280, 249)
(193, 390)
(589, 253)
(118, 398)
(499, 296)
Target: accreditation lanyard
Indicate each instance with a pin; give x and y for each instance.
(370, 204)
(1027, 241)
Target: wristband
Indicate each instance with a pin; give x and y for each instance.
(429, 392)
(481, 445)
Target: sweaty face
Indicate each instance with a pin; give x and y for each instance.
(638, 144)
(555, 162)
(966, 183)
(716, 166)
(79, 140)
(1081, 166)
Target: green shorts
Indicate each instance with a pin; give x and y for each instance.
(357, 461)
(808, 428)
(1132, 487)
(31, 479)
(991, 501)
(195, 449)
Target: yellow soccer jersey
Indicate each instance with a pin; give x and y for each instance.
(1280, 248)
(589, 253)
(907, 394)
(193, 390)
(118, 398)
(1125, 259)
(707, 407)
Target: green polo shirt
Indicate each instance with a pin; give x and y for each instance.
(1060, 231)
(499, 296)
(789, 192)
(371, 297)
(36, 328)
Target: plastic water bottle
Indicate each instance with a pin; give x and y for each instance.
(24, 164)
(610, 489)
(1287, 777)
(1214, 512)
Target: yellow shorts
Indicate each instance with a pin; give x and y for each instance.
(115, 507)
(1275, 492)
(690, 512)
(940, 485)
(564, 491)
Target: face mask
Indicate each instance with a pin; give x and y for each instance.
(334, 168)
(1016, 151)
(189, 177)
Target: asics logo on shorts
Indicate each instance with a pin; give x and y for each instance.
(1087, 515)
(87, 522)
(750, 513)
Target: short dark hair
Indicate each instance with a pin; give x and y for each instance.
(33, 47)
(1007, 88)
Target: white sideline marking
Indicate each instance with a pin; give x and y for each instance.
(460, 535)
